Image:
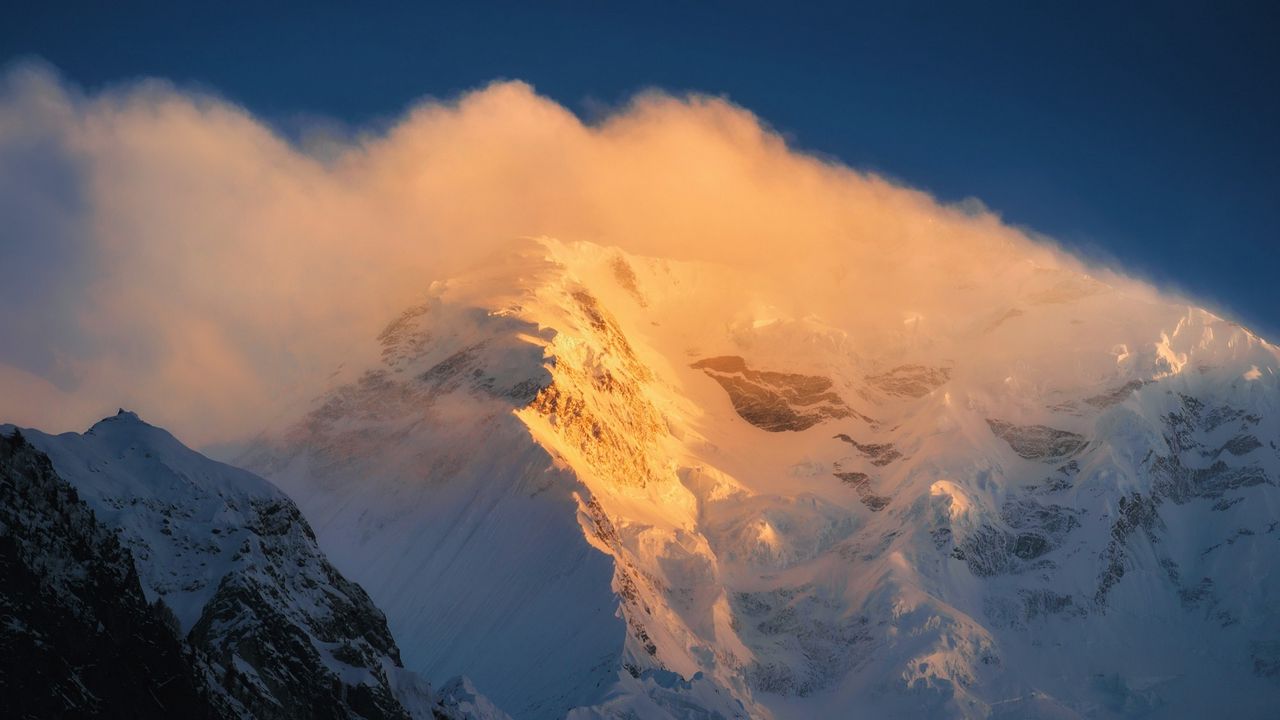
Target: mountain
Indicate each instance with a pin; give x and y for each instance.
(606, 485)
(78, 638)
(274, 630)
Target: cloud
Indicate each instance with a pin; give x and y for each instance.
(167, 251)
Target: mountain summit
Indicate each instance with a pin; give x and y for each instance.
(603, 484)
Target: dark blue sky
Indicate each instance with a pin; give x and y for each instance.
(1149, 134)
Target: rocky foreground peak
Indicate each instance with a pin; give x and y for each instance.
(144, 579)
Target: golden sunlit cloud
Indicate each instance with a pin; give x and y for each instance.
(186, 260)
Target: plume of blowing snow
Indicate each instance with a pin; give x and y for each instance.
(167, 251)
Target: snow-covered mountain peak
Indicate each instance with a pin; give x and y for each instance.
(810, 489)
(124, 416)
(122, 462)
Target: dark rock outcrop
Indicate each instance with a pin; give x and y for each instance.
(1038, 442)
(879, 454)
(1115, 396)
(811, 645)
(911, 381)
(268, 622)
(1028, 532)
(775, 401)
(861, 483)
(1175, 475)
(1174, 480)
(1136, 514)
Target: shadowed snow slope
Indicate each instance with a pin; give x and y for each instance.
(606, 484)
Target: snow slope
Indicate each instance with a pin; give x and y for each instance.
(602, 484)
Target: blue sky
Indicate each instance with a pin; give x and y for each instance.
(1147, 134)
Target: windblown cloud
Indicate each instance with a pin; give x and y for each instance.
(167, 251)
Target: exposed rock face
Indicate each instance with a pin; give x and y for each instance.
(290, 636)
(910, 381)
(1028, 533)
(625, 276)
(878, 454)
(77, 636)
(1137, 514)
(806, 642)
(630, 583)
(600, 406)
(1181, 484)
(1116, 396)
(1022, 513)
(1038, 442)
(1239, 445)
(1177, 475)
(1030, 607)
(861, 483)
(775, 401)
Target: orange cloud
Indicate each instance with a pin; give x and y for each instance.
(228, 271)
